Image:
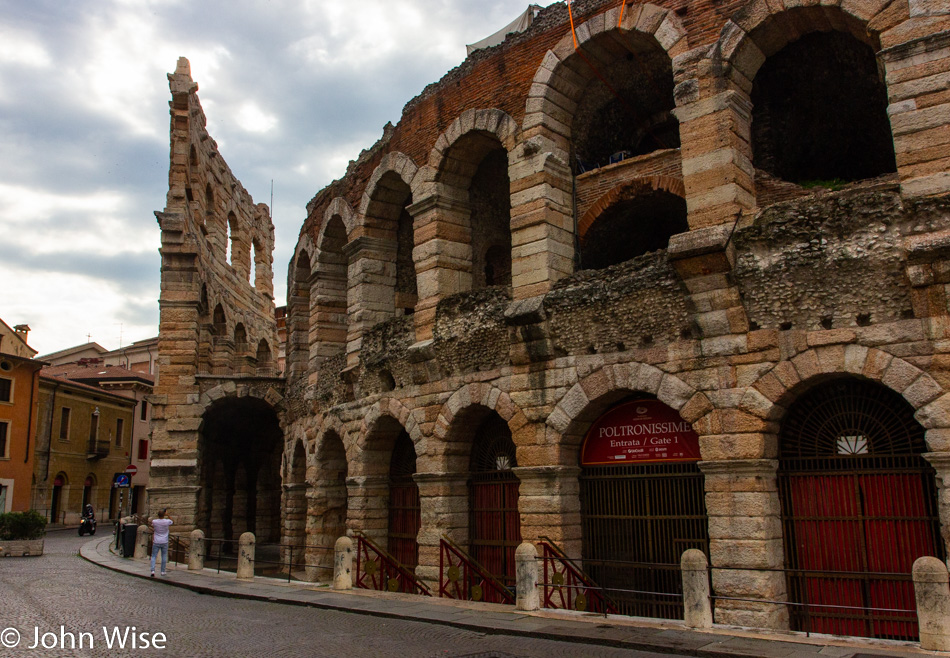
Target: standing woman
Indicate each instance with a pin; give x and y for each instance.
(160, 528)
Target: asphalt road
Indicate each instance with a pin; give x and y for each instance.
(61, 594)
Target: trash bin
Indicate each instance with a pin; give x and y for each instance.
(128, 539)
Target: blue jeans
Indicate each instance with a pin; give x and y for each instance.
(155, 550)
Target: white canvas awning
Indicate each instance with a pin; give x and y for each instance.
(520, 24)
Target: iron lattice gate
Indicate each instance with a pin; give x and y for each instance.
(637, 521)
(495, 523)
(405, 512)
(858, 507)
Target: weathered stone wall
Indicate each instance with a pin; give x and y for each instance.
(757, 302)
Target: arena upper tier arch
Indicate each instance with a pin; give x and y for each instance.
(761, 199)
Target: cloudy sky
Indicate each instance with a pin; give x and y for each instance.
(293, 90)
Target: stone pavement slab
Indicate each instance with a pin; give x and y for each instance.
(666, 636)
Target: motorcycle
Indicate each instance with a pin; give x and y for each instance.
(87, 524)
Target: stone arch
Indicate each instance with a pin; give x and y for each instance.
(628, 190)
(769, 396)
(761, 29)
(299, 275)
(393, 408)
(454, 436)
(471, 169)
(240, 450)
(328, 506)
(229, 389)
(771, 55)
(632, 219)
(331, 425)
(340, 206)
(394, 162)
(329, 312)
(560, 81)
(598, 391)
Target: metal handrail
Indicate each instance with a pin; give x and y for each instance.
(470, 564)
(598, 594)
(404, 575)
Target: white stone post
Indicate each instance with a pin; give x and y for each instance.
(196, 552)
(141, 543)
(526, 572)
(245, 565)
(933, 603)
(697, 606)
(343, 563)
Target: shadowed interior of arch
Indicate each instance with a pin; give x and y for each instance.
(239, 457)
(633, 227)
(820, 112)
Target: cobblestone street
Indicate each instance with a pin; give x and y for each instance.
(62, 589)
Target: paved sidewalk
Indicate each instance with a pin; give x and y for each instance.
(562, 625)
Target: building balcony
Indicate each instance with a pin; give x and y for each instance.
(97, 449)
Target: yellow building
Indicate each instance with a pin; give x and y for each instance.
(84, 438)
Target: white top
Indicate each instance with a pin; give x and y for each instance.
(161, 526)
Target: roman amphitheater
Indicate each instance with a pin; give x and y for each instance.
(642, 278)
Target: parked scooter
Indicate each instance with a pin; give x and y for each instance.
(87, 524)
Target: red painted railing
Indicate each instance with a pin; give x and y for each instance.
(566, 587)
(377, 569)
(462, 578)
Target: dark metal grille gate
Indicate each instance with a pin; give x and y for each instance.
(495, 523)
(405, 513)
(858, 507)
(637, 521)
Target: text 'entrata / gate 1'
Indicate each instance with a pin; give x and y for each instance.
(638, 432)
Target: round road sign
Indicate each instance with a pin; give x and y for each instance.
(131, 469)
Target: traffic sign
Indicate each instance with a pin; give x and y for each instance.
(131, 469)
(121, 481)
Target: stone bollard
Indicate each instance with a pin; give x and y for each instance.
(141, 543)
(196, 552)
(933, 603)
(526, 573)
(343, 563)
(697, 606)
(245, 565)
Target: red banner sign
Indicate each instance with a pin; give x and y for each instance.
(637, 432)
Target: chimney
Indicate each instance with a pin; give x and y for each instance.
(22, 330)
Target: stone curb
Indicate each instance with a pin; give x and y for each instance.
(666, 638)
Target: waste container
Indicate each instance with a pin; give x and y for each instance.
(128, 539)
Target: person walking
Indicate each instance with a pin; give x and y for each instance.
(160, 528)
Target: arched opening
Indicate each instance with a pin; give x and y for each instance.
(298, 316)
(239, 363)
(295, 507)
(388, 213)
(820, 112)
(328, 514)
(232, 245)
(494, 519)
(405, 511)
(256, 264)
(625, 110)
(858, 507)
(632, 227)
(239, 459)
(642, 505)
(265, 359)
(490, 199)
(219, 321)
(56, 499)
(89, 492)
(193, 156)
(329, 289)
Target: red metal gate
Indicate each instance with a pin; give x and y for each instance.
(858, 507)
(495, 523)
(405, 516)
